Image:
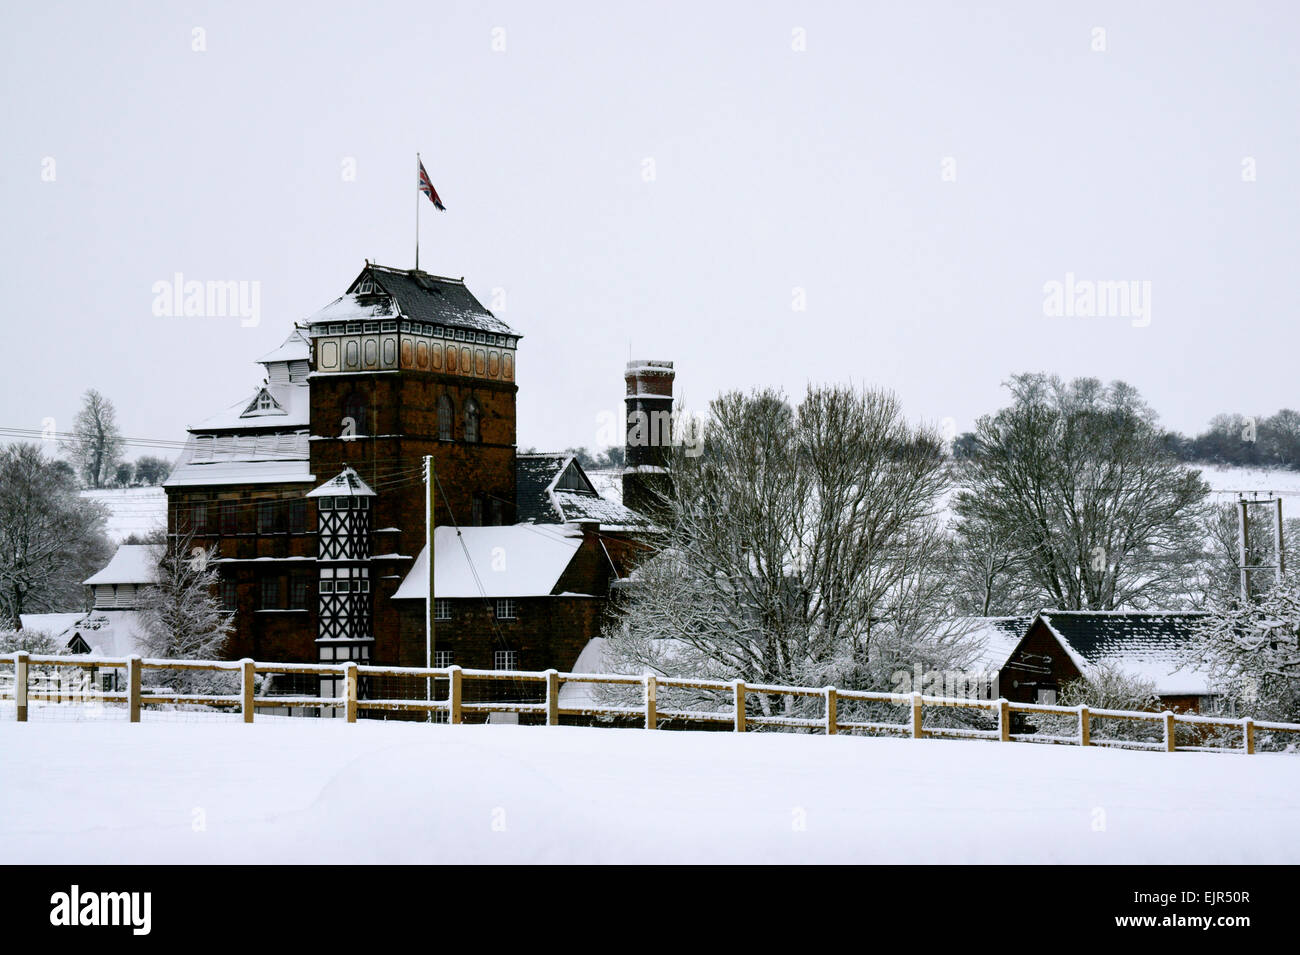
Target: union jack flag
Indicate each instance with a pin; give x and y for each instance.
(426, 187)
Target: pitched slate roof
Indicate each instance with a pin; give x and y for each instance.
(534, 474)
(417, 296)
(1147, 645)
(553, 488)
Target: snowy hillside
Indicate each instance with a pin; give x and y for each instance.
(1226, 481)
(131, 510)
(324, 791)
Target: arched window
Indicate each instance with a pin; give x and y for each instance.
(472, 415)
(354, 407)
(446, 415)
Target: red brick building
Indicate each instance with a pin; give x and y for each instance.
(312, 490)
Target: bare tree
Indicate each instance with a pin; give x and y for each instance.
(1080, 481)
(50, 538)
(803, 545)
(986, 571)
(96, 442)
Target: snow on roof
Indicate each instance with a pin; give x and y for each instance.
(514, 560)
(114, 634)
(997, 637)
(349, 308)
(592, 659)
(554, 487)
(54, 624)
(242, 459)
(294, 348)
(1145, 645)
(293, 401)
(131, 564)
(347, 483)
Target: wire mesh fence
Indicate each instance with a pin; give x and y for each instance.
(56, 688)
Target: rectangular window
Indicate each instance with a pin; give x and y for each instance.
(199, 518)
(505, 659)
(270, 593)
(229, 596)
(229, 519)
(444, 658)
(298, 517)
(298, 593)
(441, 609)
(271, 517)
(506, 608)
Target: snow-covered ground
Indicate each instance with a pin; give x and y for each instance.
(1226, 481)
(131, 510)
(322, 791)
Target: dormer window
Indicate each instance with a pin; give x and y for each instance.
(366, 287)
(262, 403)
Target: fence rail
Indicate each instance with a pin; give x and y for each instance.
(16, 687)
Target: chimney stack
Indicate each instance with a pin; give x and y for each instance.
(649, 433)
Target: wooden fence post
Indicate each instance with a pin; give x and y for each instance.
(1170, 744)
(453, 693)
(831, 707)
(350, 688)
(20, 684)
(1085, 727)
(133, 670)
(917, 731)
(1004, 721)
(1248, 735)
(552, 698)
(651, 702)
(249, 671)
(740, 706)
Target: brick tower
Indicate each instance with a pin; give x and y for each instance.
(649, 433)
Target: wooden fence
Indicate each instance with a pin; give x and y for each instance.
(455, 707)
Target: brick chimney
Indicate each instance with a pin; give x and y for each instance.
(649, 433)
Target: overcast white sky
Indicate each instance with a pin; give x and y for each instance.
(775, 169)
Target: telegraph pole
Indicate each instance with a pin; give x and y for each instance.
(429, 604)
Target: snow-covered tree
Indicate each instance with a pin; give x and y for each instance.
(802, 546)
(180, 615)
(1107, 686)
(1252, 650)
(96, 443)
(1079, 479)
(50, 538)
(32, 641)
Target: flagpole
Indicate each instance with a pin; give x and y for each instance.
(417, 212)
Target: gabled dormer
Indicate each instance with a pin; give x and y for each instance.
(263, 403)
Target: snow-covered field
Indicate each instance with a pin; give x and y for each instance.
(285, 790)
(131, 510)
